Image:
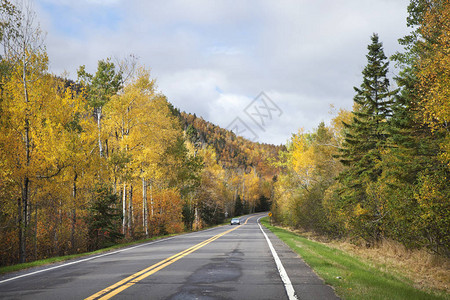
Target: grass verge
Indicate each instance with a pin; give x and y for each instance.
(351, 277)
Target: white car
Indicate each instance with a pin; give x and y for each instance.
(235, 221)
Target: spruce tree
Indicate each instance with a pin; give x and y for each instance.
(104, 218)
(364, 141)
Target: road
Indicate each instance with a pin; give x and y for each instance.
(226, 262)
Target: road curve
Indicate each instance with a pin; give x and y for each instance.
(226, 262)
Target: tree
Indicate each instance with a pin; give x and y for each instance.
(302, 158)
(104, 218)
(210, 203)
(310, 169)
(416, 161)
(140, 129)
(238, 207)
(187, 175)
(433, 77)
(23, 46)
(9, 24)
(56, 142)
(100, 87)
(433, 86)
(364, 141)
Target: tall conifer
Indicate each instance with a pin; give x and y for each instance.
(364, 141)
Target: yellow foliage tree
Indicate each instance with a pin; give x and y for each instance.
(302, 158)
(141, 128)
(40, 122)
(434, 71)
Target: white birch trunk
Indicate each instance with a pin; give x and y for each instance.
(196, 217)
(124, 209)
(99, 126)
(151, 199)
(130, 210)
(144, 207)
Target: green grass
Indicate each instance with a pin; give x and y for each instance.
(351, 277)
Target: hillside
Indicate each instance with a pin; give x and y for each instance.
(233, 152)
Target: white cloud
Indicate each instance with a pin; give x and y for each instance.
(82, 3)
(193, 90)
(223, 50)
(226, 107)
(213, 57)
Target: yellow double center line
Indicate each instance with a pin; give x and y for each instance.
(122, 285)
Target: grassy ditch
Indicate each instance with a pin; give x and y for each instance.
(352, 277)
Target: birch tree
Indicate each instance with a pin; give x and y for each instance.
(100, 87)
(23, 49)
(141, 129)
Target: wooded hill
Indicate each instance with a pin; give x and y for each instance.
(233, 152)
(105, 158)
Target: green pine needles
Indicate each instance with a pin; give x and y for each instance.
(364, 141)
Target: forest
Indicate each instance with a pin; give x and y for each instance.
(381, 171)
(105, 158)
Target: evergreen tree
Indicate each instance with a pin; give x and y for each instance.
(364, 141)
(418, 214)
(238, 207)
(104, 219)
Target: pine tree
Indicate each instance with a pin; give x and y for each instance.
(364, 141)
(104, 218)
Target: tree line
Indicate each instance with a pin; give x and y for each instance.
(106, 158)
(382, 170)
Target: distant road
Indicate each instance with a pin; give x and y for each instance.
(227, 262)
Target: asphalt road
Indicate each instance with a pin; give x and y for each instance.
(227, 262)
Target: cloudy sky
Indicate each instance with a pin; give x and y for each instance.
(215, 57)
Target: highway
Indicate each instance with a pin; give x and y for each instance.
(228, 262)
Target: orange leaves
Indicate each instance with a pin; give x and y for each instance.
(168, 208)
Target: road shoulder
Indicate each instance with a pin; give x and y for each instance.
(307, 284)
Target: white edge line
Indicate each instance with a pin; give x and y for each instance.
(284, 276)
(83, 260)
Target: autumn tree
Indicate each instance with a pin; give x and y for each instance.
(140, 129)
(309, 169)
(433, 84)
(186, 175)
(100, 87)
(416, 158)
(433, 78)
(22, 41)
(210, 202)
